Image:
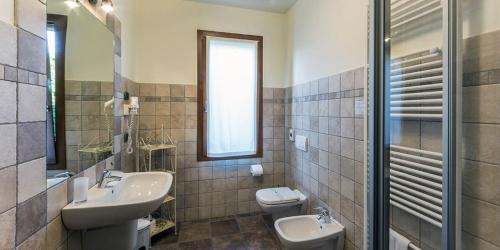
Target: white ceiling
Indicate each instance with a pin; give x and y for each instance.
(278, 6)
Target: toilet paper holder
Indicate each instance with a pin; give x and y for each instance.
(256, 170)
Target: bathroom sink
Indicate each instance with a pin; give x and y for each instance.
(306, 232)
(135, 196)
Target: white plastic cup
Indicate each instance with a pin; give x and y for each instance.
(81, 186)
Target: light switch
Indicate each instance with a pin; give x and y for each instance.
(291, 135)
(301, 142)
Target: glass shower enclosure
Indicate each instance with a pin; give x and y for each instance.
(415, 124)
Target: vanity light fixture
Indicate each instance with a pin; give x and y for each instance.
(72, 3)
(107, 6)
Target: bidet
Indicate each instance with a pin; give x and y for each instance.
(307, 232)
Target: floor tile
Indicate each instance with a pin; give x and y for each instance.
(194, 231)
(230, 242)
(261, 240)
(268, 219)
(195, 245)
(251, 223)
(224, 227)
(232, 233)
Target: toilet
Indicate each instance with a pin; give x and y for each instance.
(280, 202)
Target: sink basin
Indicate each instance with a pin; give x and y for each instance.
(306, 232)
(135, 196)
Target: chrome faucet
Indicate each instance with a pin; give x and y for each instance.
(107, 177)
(324, 215)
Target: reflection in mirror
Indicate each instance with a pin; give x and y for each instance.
(80, 101)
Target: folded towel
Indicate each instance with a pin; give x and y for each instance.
(397, 241)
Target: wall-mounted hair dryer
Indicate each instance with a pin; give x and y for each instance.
(109, 103)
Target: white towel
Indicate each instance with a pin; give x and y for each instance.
(397, 241)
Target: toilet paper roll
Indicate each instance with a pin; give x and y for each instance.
(80, 189)
(256, 170)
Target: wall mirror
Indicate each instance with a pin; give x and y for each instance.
(80, 71)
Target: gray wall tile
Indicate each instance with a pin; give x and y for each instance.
(31, 51)
(36, 241)
(30, 217)
(27, 134)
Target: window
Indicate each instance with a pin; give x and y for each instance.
(229, 96)
(56, 47)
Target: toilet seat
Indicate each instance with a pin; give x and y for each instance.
(277, 196)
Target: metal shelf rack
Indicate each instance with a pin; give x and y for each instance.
(165, 217)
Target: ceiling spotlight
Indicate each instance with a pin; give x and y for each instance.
(107, 5)
(72, 3)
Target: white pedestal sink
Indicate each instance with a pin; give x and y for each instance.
(306, 232)
(109, 216)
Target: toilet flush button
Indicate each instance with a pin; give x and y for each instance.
(301, 142)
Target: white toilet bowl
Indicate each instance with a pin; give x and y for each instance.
(280, 202)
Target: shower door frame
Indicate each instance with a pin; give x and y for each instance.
(379, 134)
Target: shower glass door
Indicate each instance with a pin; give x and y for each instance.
(414, 97)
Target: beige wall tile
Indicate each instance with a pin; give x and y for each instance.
(8, 188)
(31, 179)
(8, 106)
(482, 104)
(480, 181)
(481, 142)
(191, 90)
(147, 89)
(56, 233)
(36, 241)
(57, 198)
(31, 16)
(481, 219)
(147, 108)
(8, 229)
(8, 39)
(162, 108)
(162, 90)
(8, 144)
(347, 80)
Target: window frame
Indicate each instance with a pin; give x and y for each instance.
(202, 154)
(60, 23)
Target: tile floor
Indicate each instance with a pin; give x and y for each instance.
(234, 233)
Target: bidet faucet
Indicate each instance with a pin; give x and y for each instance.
(324, 215)
(106, 177)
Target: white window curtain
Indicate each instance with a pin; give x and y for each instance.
(232, 97)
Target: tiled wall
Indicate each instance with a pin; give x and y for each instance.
(329, 111)
(481, 130)
(29, 212)
(86, 122)
(209, 189)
